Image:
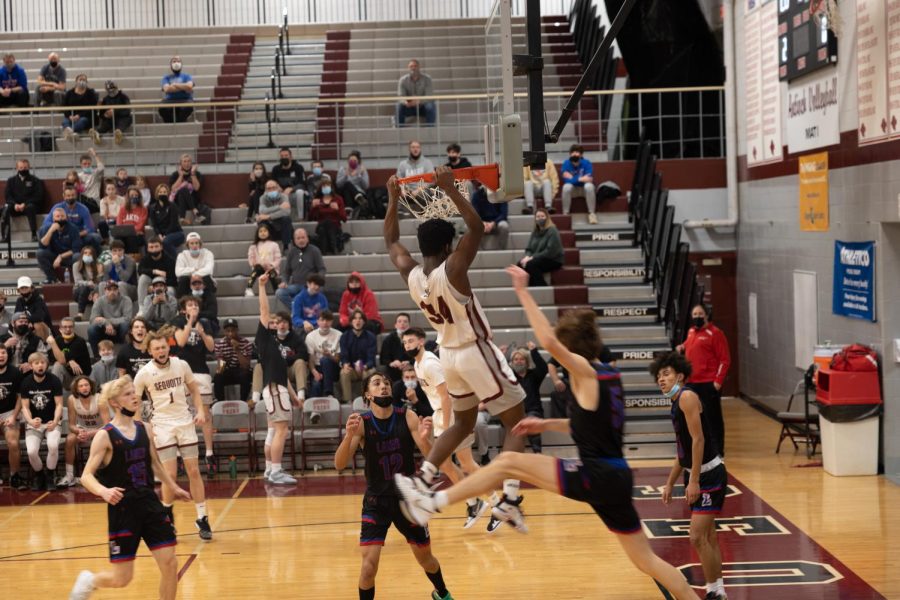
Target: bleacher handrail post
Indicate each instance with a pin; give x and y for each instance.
(271, 143)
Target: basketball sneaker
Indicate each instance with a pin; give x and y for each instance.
(282, 478)
(212, 466)
(66, 482)
(508, 511)
(16, 481)
(38, 482)
(204, 529)
(436, 596)
(418, 504)
(493, 524)
(83, 587)
(49, 482)
(715, 596)
(475, 512)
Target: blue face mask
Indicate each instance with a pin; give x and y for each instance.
(673, 392)
(87, 170)
(195, 253)
(272, 195)
(87, 259)
(317, 171)
(326, 190)
(197, 293)
(410, 384)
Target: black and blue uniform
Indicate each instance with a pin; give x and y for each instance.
(601, 477)
(388, 447)
(713, 476)
(140, 514)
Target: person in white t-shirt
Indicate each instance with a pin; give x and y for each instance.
(89, 417)
(324, 346)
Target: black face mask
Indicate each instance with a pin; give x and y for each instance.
(21, 329)
(285, 162)
(575, 159)
(699, 322)
(126, 412)
(54, 63)
(383, 401)
(412, 354)
(62, 222)
(157, 256)
(162, 198)
(23, 173)
(353, 290)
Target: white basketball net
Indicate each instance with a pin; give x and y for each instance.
(427, 201)
(828, 10)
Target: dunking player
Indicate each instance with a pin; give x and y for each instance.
(706, 480)
(163, 379)
(388, 437)
(474, 367)
(601, 477)
(120, 471)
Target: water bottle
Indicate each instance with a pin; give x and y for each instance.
(66, 275)
(232, 466)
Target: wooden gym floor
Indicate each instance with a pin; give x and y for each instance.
(788, 531)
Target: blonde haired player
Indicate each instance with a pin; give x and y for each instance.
(474, 368)
(89, 417)
(163, 379)
(120, 470)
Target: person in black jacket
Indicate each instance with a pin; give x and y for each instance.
(292, 179)
(24, 197)
(392, 356)
(163, 218)
(256, 187)
(116, 121)
(32, 303)
(69, 355)
(79, 118)
(530, 380)
(407, 391)
(156, 263)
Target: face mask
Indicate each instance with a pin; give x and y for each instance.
(112, 93)
(383, 401)
(540, 222)
(62, 222)
(135, 199)
(69, 337)
(87, 170)
(197, 293)
(81, 85)
(258, 172)
(326, 190)
(519, 368)
(673, 392)
(54, 63)
(698, 322)
(23, 173)
(162, 198)
(400, 332)
(21, 329)
(282, 334)
(156, 255)
(353, 163)
(195, 252)
(317, 171)
(453, 159)
(412, 353)
(87, 259)
(176, 66)
(272, 195)
(107, 358)
(286, 162)
(126, 413)
(410, 384)
(353, 290)
(574, 159)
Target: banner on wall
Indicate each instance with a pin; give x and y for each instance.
(814, 192)
(812, 115)
(854, 280)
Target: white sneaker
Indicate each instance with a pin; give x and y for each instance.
(417, 505)
(282, 478)
(248, 293)
(267, 473)
(83, 587)
(473, 513)
(508, 511)
(67, 481)
(592, 218)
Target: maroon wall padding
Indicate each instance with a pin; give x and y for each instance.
(329, 120)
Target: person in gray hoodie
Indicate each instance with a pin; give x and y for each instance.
(275, 210)
(110, 316)
(415, 163)
(159, 307)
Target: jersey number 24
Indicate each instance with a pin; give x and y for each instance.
(440, 315)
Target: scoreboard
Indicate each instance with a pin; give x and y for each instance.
(803, 45)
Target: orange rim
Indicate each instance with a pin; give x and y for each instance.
(488, 175)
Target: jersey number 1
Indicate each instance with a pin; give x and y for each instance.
(441, 315)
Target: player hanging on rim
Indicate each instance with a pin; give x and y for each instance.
(705, 477)
(601, 477)
(164, 379)
(120, 470)
(388, 437)
(431, 375)
(474, 367)
(83, 403)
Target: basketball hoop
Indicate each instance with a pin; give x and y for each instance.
(425, 200)
(827, 11)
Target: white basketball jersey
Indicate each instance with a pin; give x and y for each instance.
(457, 318)
(88, 417)
(431, 375)
(166, 388)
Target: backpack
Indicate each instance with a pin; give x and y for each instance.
(855, 357)
(40, 141)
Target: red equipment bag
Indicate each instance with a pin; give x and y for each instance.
(855, 357)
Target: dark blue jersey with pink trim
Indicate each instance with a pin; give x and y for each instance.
(598, 433)
(684, 443)
(389, 449)
(131, 467)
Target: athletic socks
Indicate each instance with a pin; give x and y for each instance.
(209, 452)
(511, 488)
(472, 502)
(716, 587)
(367, 594)
(441, 500)
(201, 509)
(268, 465)
(437, 580)
(70, 471)
(167, 506)
(429, 472)
(276, 467)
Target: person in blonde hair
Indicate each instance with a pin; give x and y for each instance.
(120, 470)
(41, 395)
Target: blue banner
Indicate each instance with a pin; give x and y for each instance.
(854, 280)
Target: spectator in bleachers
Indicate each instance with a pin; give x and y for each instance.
(415, 83)
(578, 182)
(185, 183)
(329, 212)
(291, 177)
(275, 211)
(209, 303)
(140, 182)
(32, 303)
(494, 216)
(455, 160)
(302, 260)
(115, 121)
(358, 348)
(415, 163)
(9, 417)
(195, 260)
(77, 215)
(122, 269)
(159, 306)
(24, 197)
(69, 354)
(59, 245)
(324, 347)
(22, 340)
(309, 304)
(5, 314)
(51, 87)
(314, 179)
(530, 379)
(133, 355)
(163, 216)
(110, 316)
(256, 188)
(123, 181)
(264, 256)
(234, 354)
(406, 390)
(42, 406)
(110, 205)
(540, 183)
(292, 348)
(134, 213)
(392, 356)
(178, 88)
(91, 178)
(544, 252)
(358, 296)
(352, 182)
(78, 115)
(155, 263)
(13, 83)
(86, 417)
(87, 273)
(104, 370)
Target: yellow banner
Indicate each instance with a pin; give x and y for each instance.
(814, 192)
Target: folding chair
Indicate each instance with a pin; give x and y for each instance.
(325, 434)
(802, 426)
(231, 427)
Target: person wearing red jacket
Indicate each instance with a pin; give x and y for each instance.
(359, 296)
(707, 350)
